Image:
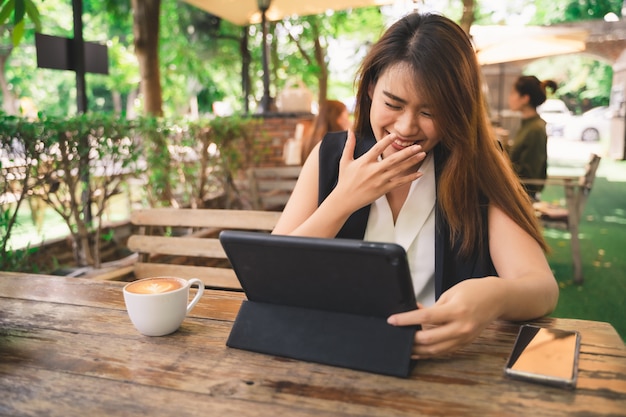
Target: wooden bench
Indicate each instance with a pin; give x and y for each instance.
(184, 242)
(270, 187)
(568, 216)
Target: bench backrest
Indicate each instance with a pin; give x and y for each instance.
(585, 183)
(184, 242)
(586, 180)
(271, 187)
(577, 192)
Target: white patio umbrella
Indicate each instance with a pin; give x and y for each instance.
(244, 12)
(499, 44)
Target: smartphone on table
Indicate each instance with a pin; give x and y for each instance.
(546, 356)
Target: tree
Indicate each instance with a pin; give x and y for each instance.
(304, 53)
(580, 77)
(185, 58)
(146, 15)
(315, 57)
(112, 21)
(468, 17)
(551, 12)
(13, 29)
(19, 9)
(203, 59)
(185, 63)
(9, 104)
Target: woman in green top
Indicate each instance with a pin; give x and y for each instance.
(528, 152)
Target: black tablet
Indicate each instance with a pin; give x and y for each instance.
(338, 275)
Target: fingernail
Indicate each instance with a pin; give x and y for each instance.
(391, 320)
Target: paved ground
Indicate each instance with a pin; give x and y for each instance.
(563, 150)
(569, 157)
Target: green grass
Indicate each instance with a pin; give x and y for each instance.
(27, 233)
(602, 296)
(53, 226)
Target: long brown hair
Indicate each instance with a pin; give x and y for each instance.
(448, 77)
(326, 121)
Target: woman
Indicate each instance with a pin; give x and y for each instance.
(333, 117)
(422, 169)
(528, 151)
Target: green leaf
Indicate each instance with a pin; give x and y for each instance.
(20, 10)
(109, 236)
(18, 33)
(33, 13)
(6, 11)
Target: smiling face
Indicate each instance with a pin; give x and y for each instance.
(398, 108)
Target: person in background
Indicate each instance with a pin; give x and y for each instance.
(423, 169)
(333, 117)
(528, 151)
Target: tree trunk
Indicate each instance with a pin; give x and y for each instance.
(320, 54)
(318, 59)
(467, 19)
(245, 69)
(117, 102)
(130, 105)
(146, 32)
(8, 99)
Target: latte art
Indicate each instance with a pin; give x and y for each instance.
(155, 286)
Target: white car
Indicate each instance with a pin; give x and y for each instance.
(557, 116)
(591, 125)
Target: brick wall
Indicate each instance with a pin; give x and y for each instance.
(275, 130)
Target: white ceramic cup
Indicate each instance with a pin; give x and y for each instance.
(157, 306)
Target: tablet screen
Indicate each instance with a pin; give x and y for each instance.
(342, 275)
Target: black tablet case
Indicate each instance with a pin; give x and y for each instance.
(322, 300)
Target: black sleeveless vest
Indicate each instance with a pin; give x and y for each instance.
(450, 267)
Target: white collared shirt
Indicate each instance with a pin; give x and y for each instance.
(414, 230)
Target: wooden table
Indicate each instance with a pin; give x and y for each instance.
(67, 348)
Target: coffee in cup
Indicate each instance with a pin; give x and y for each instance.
(157, 306)
(155, 285)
